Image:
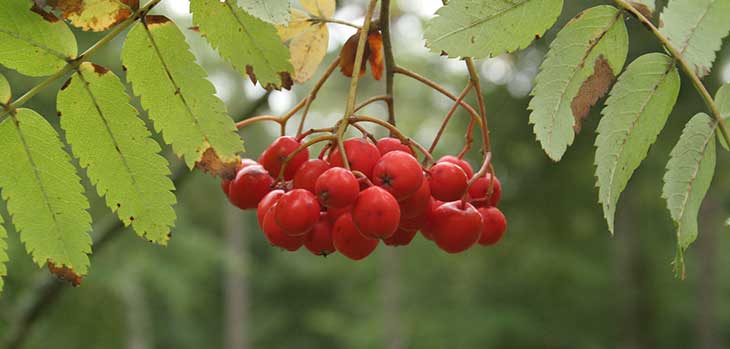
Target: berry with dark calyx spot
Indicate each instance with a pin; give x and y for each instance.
(251, 184)
(399, 173)
(308, 173)
(337, 187)
(494, 225)
(273, 157)
(348, 240)
(456, 226)
(335, 212)
(361, 155)
(401, 237)
(376, 213)
(276, 236)
(389, 144)
(319, 239)
(428, 227)
(448, 181)
(478, 192)
(416, 204)
(297, 212)
(243, 163)
(266, 203)
(468, 170)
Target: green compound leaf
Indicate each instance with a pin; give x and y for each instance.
(580, 67)
(3, 252)
(696, 28)
(174, 89)
(688, 177)
(115, 147)
(635, 113)
(33, 43)
(251, 45)
(488, 28)
(272, 11)
(722, 100)
(5, 92)
(44, 195)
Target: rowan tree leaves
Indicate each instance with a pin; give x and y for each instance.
(272, 11)
(248, 43)
(636, 111)
(44, 195)
(696, 28)
(26, 33)
(722, 100)
(5, 93)
(180, 101)
(321, 8)
(3, 252)
(307, 44)
(488, 28)
(115, 148)
(580, 67)
(688, 177)
(95, 15)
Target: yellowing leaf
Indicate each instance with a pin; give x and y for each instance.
(298, 25)
(308, 51)
(320, 8)
(95, 15)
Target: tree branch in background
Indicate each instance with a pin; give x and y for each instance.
(49, 289)
(389, 58)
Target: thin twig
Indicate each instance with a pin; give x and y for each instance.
(370, 101)
(389, 58)
(486, 144)
(449, 115)
(395, 132)
(312, 95)
(315, 19)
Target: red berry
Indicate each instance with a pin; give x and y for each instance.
(308, 173)
(428, 227)
(376, 213)
(478, 192)
(389, 144)
(266, 203)
(297, 212)
(416, 204)
(252, 183)
(456, 227)
(448, 181)
(461, 163)
(337, 187)
(414, 223)
(276, 236)
(319, 240)
(273, 157)
(361, 155)
(398, 173)
(349, 241)
(335, 212)
(401, 237)
(243, 163)
(494, 225)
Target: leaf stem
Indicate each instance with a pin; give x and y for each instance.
(683, 63)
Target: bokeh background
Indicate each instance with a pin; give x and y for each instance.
(557, 279)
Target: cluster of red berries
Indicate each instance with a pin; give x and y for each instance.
(386, 195)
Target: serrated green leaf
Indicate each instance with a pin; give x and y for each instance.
(25, 34)
(43, 193)
(251, 45)
(696, 28)
(646, 7)
(488, 28)
(580, 67)
(272, 11)
(636, 111)
(5, 93)
(722, 100)
(180, 101)
(115, 147)
(689, 174)
(3, 253)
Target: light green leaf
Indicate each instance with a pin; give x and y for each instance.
(272, 11)
(5, 93)
(33, 44)
(580, 67)
(722, 100)
(688, 177)
(44, 195)
(635, 113)
(3, 252)
(96, 15)
(251, 45)
(180, 101)
(646, 7)
(696, 28)
(488, 28)
(115, 147)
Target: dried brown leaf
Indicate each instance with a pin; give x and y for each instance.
(592, 89)
(64, 273)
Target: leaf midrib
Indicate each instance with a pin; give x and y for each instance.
(481, 21)
(51, 51)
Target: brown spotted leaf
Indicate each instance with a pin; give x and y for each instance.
(593, 88)
(95, 15)
(65, 273)
(375, 49)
